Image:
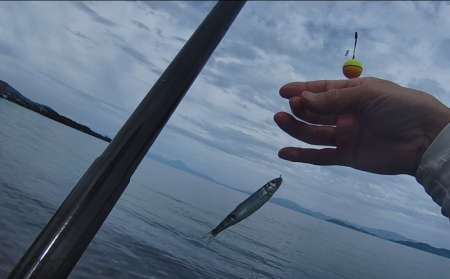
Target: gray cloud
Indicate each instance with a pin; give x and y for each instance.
(266, 126)
(156, 72)
(140, 25)
(80, 35)
(159, 32)
(179, 39)
(189, 16)
(203, 6)
(140, 58)
(430, 86)
(115, 36)
(430, 10)
(6, 49)
(238, 49)
(85, 95)
(230, 141)
(440, 50)
(93, 15)
(253, 90)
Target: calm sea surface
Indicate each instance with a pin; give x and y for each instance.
(155, 229)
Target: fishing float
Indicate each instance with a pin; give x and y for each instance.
(352, 68)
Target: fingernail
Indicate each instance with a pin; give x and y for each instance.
(309, 96)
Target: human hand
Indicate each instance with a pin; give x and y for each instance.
(375, 125)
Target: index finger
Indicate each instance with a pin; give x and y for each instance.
(295, 89)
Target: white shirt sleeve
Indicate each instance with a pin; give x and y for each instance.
(434, 170)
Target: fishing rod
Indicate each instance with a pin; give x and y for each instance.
(66, 236)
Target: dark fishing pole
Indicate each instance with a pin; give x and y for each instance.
(356, 39)
(64, 239)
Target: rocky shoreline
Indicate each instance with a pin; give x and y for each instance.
(9, 93)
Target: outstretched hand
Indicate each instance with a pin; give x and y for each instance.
(370, 124)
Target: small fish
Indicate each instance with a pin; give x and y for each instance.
(246, 208)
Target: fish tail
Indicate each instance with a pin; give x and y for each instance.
(210, 237)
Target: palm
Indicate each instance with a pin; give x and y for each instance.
(364, 146)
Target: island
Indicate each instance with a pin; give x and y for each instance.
(7, 92)
(413, 244)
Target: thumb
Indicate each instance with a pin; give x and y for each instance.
(334, 101)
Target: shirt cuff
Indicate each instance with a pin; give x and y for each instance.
(434, 170)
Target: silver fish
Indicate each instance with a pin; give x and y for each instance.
(246, 208)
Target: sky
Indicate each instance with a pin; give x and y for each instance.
(95, 61)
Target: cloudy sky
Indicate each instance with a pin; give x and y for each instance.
(95, 61)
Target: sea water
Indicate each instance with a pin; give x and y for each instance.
(155, 229)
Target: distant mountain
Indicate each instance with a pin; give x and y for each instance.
(386, 235)
(11, 89)
(9, 93)
(377, 232)
(292, 205)
(343, 224)
(180, 166)
(413, 244)
(425, 247)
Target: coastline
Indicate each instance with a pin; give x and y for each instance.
(7, 92)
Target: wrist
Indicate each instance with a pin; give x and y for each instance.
(433, 172)
(437, 140)
(437, 126)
